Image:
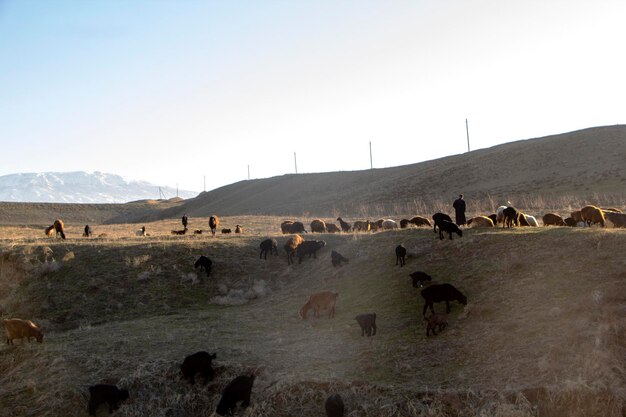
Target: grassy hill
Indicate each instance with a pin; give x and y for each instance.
(543, 333)
(586, 164)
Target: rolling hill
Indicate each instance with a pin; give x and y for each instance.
(585, 164)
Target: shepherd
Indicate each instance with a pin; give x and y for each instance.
(185, 221)
(459, 210)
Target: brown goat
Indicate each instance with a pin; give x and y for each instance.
(436, 322)
(19, 329)
(290, 247)
(577, 216)
(592, 215)
(332, 228)
(58, 227)
(318, 226)
(214, 223)
(318, 301)
(238, 229)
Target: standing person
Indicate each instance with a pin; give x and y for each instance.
(185, 221)
(459, 210)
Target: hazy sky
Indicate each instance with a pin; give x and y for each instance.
(170, 91)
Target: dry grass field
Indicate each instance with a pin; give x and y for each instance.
(543, 333)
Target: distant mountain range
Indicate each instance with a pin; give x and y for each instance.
(80, 187)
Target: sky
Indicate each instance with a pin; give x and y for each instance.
(172, 92)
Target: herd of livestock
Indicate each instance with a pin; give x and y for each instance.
(239, 389)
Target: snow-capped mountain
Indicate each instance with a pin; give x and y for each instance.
(80, 187)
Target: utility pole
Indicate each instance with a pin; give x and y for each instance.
(248, 172)
(176, 189)
(371, 164)
(295, 162)
(205, 183)
(467, 132)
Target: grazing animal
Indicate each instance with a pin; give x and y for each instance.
(435, 322)
(268, 245)
(404, 223)
(389, 224)
(226, 231)
(238, 229)
(362, 226)
(334, 406)
(400, 255)
(419, 278)
(332, 228)
(239, 389)
(377, 225)
(345, 227)
(179, 232)
(309, 247)
(494, 218)
(336, 258)
(318, 301)
(199, 362)
(141, 232)
(58, 227)
(577, 216)
(197, 232)
(367, 323)
(103, 393)
(611, 209)
(289, 227)
(571, 222)
(511, 217)
(500, 214)
(614, 219)
(291, 246)
(87, 232)
(214, 223)
(318, 226)
(204, 263)
(480, 221)
(592, 215)
(553, 219)
(441, 292)
(528, 220)
(420, 221)
(437, 217)
(448, 227)
(20, 329)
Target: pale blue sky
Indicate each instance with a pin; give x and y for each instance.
(169, 91)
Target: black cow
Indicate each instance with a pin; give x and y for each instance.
(367, 323)
(268, 245)
(103, 393)
(199, 362)
(400, 255)
(239, 389)
(448, 227)
(419, 278)
(204, 263)
(441, 292)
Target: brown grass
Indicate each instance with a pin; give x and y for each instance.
(542, 335)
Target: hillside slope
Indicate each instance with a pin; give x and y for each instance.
(541, 338)
(581, 163)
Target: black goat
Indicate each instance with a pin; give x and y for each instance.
(199, 362)
(268, 245)
(204, 263)
(239, 389)
(419, 278)
(367, 323)
(441, 292)
(400, 255)
(103, 393)
(448, 227)
(337, 258)
(334, 406)
(437, 217)
(309, 247)
(344, 226)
